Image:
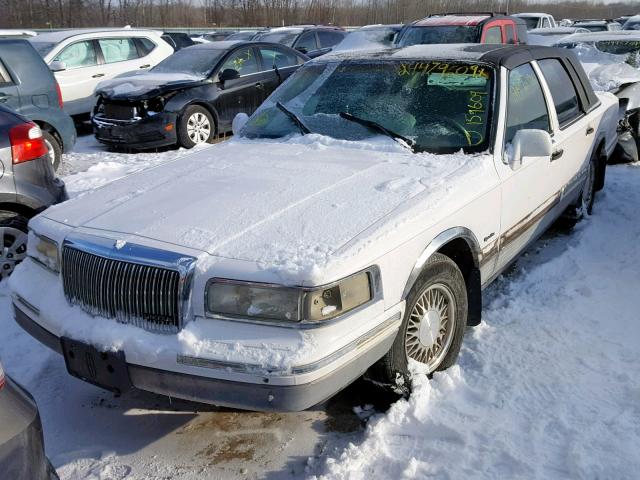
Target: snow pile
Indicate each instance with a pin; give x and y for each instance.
(606, 72)
(548, 385)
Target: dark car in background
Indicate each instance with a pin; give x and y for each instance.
(464, 28)
(312, 40)
(178, 40)
(243, 35)
(22, 454)
(192, 96)
(28, 184)
(28, 87)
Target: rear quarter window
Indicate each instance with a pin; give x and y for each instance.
(563, 91)
(5, 78)
(146, 46)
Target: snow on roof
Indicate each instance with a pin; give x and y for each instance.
(61, 35)
(13, 32)
(462, 20)
(620, 35)
(530, 15)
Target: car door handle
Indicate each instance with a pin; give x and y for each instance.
(589, 131)
(97, 75)
(145, 66)
(259, 85)
(556, 155)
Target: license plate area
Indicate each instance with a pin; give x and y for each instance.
(107, 370)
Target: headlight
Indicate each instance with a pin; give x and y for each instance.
(44, 251)
(274, 302)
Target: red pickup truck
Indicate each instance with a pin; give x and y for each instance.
(464, 28)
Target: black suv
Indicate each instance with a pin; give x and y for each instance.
(28, 87)
(191, 96)
(312, 40)
(28, 184)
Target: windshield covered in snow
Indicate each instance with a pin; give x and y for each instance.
(435, 106)
(192, 60)
(439, 34)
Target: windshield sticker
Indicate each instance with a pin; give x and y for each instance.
(474, 119)
(426, 68)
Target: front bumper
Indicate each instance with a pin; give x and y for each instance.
(145, 133)
(263, 396)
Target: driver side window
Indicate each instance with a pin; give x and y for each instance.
(526, 105)
(243, 61)
(307, 41)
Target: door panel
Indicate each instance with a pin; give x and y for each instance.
(529, 192)
(246, 93)
(572, 140)
(82, 75)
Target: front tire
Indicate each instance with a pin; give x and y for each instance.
(196, 127)
(13, 238)
(433, 326)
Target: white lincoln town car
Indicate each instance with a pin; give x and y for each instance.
(349, 228)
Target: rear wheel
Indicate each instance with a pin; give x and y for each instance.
(196, 126)
(55, 149)
(584, 205)
(433, 326)
(13, 238)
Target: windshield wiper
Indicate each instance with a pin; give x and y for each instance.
(376, 126)
(294, 118)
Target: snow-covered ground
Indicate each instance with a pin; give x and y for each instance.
(548, 386)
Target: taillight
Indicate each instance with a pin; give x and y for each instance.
(59, 92)
(2, 378)
(27, 143)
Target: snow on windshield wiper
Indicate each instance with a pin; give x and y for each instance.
(294, 118)
(406, 142)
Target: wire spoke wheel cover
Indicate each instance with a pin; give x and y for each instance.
(14, 249)
(198, 128)
(431, 326)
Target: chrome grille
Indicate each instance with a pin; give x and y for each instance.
(141, 295)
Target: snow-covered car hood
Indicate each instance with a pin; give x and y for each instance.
(147, 85)
(274, 203)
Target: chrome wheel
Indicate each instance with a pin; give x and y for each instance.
(14, 249)
(198, 128)
(52, 153)
(431, 326)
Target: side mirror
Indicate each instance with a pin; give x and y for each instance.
(302, 50)
(239, 122)
(528, 143)
(228, 74)
(57, 66)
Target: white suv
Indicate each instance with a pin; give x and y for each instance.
(81, 59)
